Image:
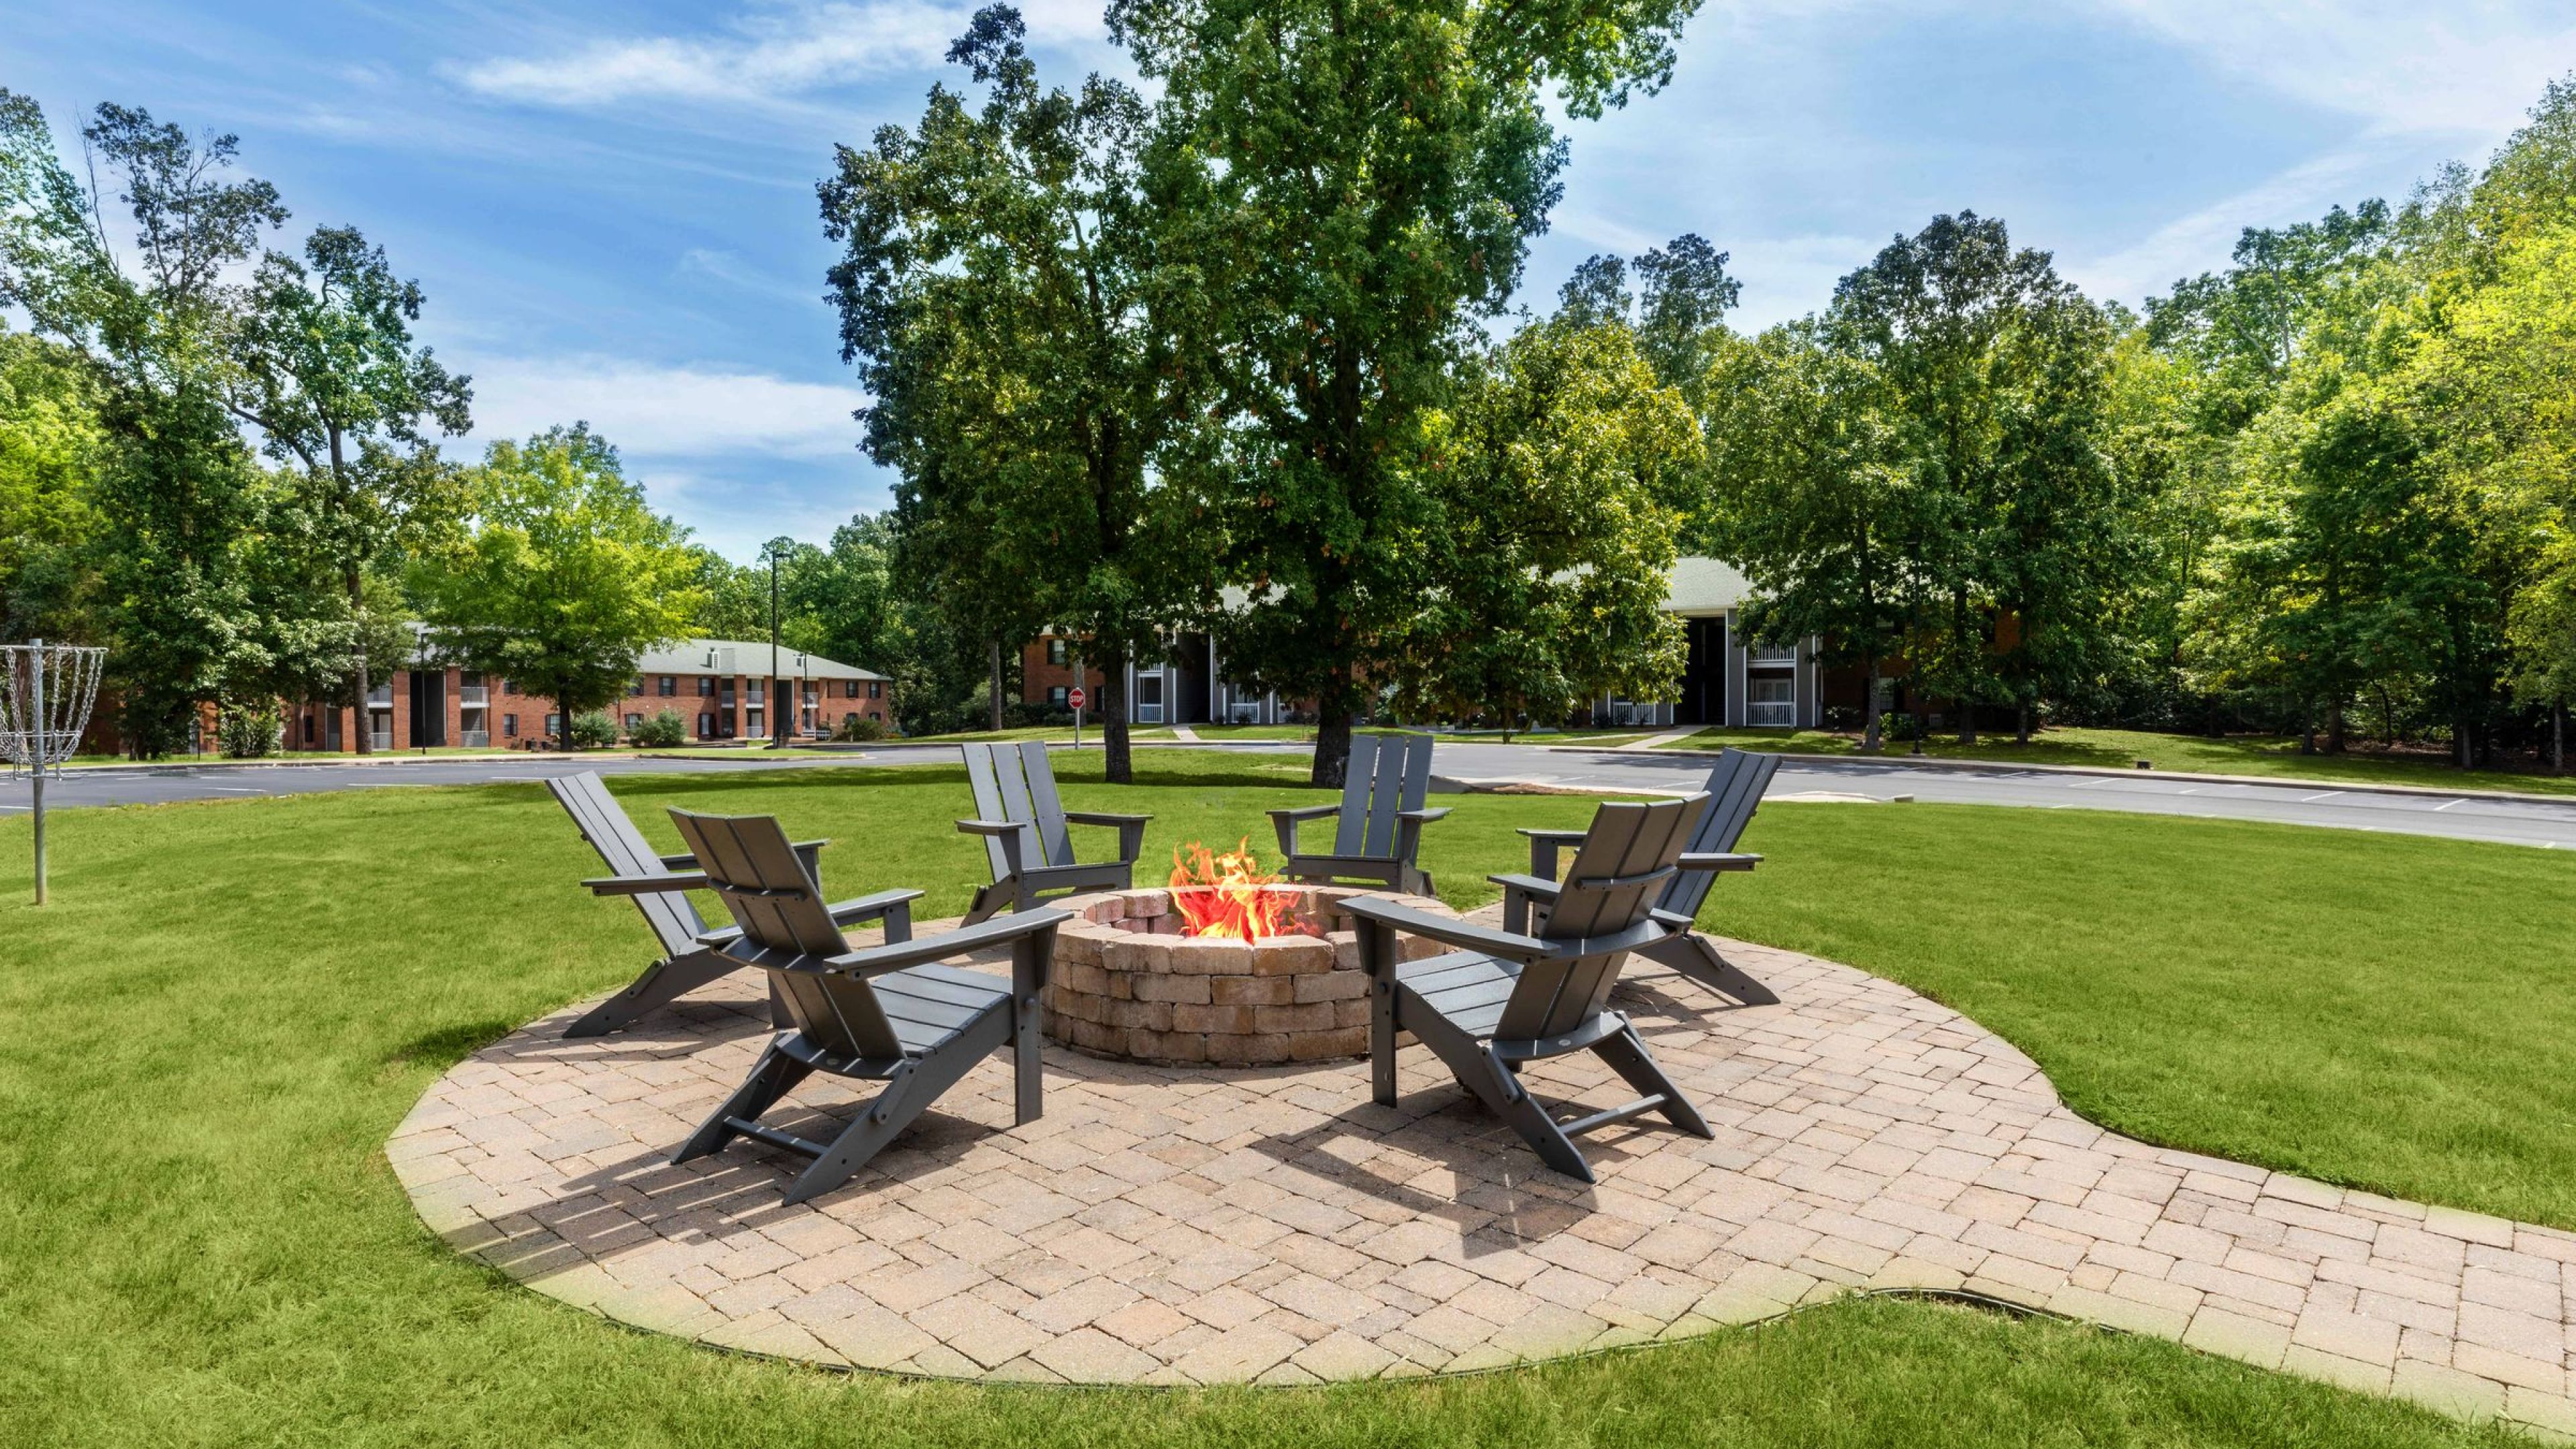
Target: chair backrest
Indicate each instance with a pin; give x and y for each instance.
(1734, 791)
(625, 851)
(1624, 862)
(785, 923)
(1015, 783)
(1387, 774)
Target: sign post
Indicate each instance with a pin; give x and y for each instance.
(1075, 697)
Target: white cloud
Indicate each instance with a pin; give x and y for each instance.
(2403, 65)
(768, 56)
(2203, 239)
(666, 412)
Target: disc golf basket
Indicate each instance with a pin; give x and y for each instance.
(45, 694)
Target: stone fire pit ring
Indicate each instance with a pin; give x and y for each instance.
(1130, 986)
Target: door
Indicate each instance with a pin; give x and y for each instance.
(1149, 696)
(429, 707)
(1702, 699)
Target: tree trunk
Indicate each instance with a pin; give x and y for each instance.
(358, 662)
(2021, 722)
(1117, 760)
(2558, 738)
(1332, 749)
(2467, 747)
(996, 692)
(1869, 733)
(1967, 723)
(1922, 726)
(2334, 726)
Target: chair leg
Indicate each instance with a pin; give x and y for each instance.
(662, 983)
(1690, 954)
(776, 1074)
(904, 1099)
(1627, 1055)
(1529, 1117)
(1382, 1034)
(1028, 1081)
(988, 899)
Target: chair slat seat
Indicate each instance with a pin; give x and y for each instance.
(1516, 996)
(1023, 823)
(690, 955)
(895, 1013)
(1377, 829)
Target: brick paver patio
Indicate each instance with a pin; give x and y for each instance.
(1272, 1225)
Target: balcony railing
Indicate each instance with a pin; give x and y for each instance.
(473, 696)
(474, 739)
(381, 697)
(1763, 655)
(383, 739)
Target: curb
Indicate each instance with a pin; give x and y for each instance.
(1998, 767)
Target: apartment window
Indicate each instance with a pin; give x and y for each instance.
(849, 689)
(634, 722)
(509, 686)
(706, 685)
(470, 679)
(1056, 694)
(510, 725)
(670, 686)
(876, 689)
(1055, 651)
(706, 726)
(308, 729)
(554, 725)
(1771, 702)
(638, 691)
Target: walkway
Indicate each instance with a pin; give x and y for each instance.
(1275, 1226)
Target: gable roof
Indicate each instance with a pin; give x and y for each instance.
(745, 657)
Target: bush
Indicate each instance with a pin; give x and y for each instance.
(1896, 724)
(249, 731)
(663, 730)
(596, 730)
(860, 728)
(1037, 714)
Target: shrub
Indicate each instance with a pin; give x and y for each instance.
(663, 730)
(249, 731)
(860, 728)
(596, 730)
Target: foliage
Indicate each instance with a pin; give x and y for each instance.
(1001, 294)
(664, 730)
(1559, 478)
(566, 577)
(51, 448)
(860, 728)
(1353, 185)
(592, 729)
(249, 729)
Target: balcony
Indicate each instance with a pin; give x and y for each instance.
(381, 697)
(382, 739)
(473, 696)
(1765, 657)
(474, 739)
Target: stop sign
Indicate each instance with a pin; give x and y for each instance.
(1075, 696)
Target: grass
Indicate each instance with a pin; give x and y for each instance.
(231, 1004)
(2262, 755)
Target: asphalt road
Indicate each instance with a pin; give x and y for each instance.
(2466, 817)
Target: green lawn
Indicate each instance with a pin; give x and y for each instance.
(2276, 755)
(231, 1004)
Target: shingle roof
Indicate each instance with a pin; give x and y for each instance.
(745, 657)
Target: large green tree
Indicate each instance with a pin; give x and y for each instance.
(1003, 297)
(324, 364)
(178, 495)
(1355, 183)
(1561, 477)
(51, 448)
(565, 576)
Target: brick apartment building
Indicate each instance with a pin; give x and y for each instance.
(704, 681)
(1728, 680)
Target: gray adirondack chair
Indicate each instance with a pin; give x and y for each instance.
(1023, 824)
(888, 1013)
(687, 962)
(1506, 998)
(1734, 791)
(1381, 818)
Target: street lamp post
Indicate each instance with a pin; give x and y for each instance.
(776, 739)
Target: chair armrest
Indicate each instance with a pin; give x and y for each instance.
(1545, 843)
(861, 908)
(996, 828)
(1717, 861)
(1285, 821)
(1000, 930)
(682, 861)
(1131, 830)
(1466, 935)
(1518, 892)
(648, 885)
(1423, 817)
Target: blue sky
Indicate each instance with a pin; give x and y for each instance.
(612, 208)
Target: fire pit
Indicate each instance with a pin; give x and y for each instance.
(1224, 966)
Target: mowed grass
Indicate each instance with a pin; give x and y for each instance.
(2272, 756)
(229, 1006)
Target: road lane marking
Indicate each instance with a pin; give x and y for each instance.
(2440, 808)
(2328, 795)
(235, 790)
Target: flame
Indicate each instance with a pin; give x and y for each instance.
(1223, 895)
